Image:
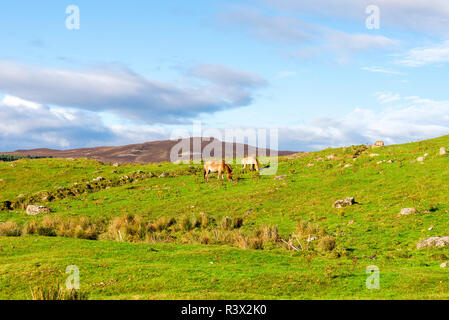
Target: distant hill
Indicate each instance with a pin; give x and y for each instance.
(156, 151)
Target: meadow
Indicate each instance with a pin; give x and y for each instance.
(163, 233)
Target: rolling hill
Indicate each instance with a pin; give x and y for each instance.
(158, 231)
(156, 151)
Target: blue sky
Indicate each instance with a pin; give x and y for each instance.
(137, 70)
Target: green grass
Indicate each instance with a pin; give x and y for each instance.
(183, 271)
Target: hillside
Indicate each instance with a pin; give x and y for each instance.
(158, 231)
(156, 151)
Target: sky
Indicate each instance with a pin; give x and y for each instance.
(322, 73)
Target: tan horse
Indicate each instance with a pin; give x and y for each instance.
(252, 162)
(220, 167)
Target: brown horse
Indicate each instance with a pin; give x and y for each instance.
(252, 162)
(220, 167)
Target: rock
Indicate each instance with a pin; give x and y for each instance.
(99, 179)
(310, 239)
(21, 195)
(348, 165)
(319, 159)
(12, 165)
(444, 265)
(35, 210)
(426, 154)
(116, 164)
(351, 222)
(390, 161)
(310, 165)
(443, 151)
(344, 203)
(433, 242)
(379, 144)
(407, 211)
(331, 157)
(164, 175)
(372, 155)
(280, 177)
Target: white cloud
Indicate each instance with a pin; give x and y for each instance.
(427, 16)
(414, 119)
(307, 39)
(381, 70)
(119, 90)
(422, 56)
(387, 97)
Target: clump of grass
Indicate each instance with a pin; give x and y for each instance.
(326, 244)
(10, 229)
(203, 221)
(226, 223)
(185, 224)
(49, 226)
(30, 227)
(57, 293)
(162, 224)
(127, 228)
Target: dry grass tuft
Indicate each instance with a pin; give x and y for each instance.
(10, 229)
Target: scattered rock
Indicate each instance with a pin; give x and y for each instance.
(379, 144)
(99, 179)
(21, 195)
(420, 159)
(426, 154)
(116, 164)
(344, 203)
(331, 157)
(407, 211)
(443, 151)
(35, 210)
(372, 155)
(310, 165)
(348, 165)
(431, 242)
(319, 159)
(12, 165)
(282, 177)
(390, 161)
(444, 265)
(164, 175)
(351, 222)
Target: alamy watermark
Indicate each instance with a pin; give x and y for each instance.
(373, 281)
(260, 142)
(73, 280)
(373, 20)
(72, 21)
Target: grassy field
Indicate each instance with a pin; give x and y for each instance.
(177, 237)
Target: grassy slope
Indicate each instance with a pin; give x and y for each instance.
(184, 271)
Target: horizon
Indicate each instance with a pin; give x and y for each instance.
(81, 74)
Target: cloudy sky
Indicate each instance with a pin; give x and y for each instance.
(136, 71)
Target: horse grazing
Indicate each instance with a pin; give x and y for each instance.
(220, 167)
(252, 162)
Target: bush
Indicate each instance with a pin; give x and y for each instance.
(10, 229)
